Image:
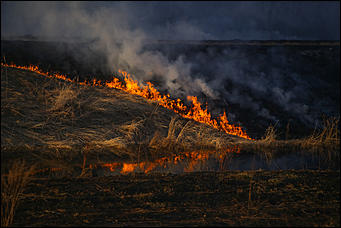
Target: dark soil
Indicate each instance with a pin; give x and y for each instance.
(228, 198)
(252, 198)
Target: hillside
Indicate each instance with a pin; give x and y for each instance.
(256, 84)
(50, 114)
(64, 147)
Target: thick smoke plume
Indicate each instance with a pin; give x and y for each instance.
(121, 31)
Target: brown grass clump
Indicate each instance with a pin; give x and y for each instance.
(170, 142)
(63, 98)
(186, 135)
(270, 134)
(326, 140)
(12, 186)
(328, 135)
(132, 129)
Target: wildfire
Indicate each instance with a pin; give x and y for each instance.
(148, 91)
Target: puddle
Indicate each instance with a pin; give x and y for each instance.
(229, 159)
(213, 161)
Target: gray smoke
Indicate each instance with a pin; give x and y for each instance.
(120, 31)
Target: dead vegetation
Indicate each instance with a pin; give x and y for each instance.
(62, 123)
(328, 135)
(63, 126)
(47, 116)
(324, 142)
(12, 186)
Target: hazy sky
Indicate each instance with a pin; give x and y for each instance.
(180, 20)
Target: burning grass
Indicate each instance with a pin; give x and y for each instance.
(195, 112)
(47, 117)
(44, 114)
(67, 129)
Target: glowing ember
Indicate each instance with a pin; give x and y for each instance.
(195, 112)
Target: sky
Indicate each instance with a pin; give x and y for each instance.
(307, 20)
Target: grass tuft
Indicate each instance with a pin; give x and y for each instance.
(328, 135)
(12, 187)
(270, 134)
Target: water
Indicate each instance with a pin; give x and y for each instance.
(196, 162)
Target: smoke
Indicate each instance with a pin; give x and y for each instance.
(121, 30)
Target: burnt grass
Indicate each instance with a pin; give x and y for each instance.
(229, 198)
(249, 198)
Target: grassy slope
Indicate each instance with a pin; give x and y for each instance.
(52, 116)
(54, 123)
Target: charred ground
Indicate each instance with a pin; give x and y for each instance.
(52, 124)
(253, 198)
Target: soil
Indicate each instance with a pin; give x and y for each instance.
(220, 198)
(233, 198)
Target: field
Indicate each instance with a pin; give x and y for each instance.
(249, 198)
(84, 155)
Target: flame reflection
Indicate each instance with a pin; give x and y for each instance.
(187, 162)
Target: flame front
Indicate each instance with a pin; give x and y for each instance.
(195, 112)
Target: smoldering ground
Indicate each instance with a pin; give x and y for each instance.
(264, 82)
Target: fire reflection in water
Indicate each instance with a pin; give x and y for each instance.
(184, 162)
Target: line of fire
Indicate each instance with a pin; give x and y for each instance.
(148, 91)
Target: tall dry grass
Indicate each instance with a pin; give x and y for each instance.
(63, 97)
(328, 135)
(12, 187)
(270, 134)
(172, 142)
(326, 138)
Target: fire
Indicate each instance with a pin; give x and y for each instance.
(128, 168)
(148, 91)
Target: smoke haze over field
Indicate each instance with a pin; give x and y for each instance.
(120, 30)
(178, 20)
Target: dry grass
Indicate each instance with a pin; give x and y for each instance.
(63, 100)
(324, 140)
(270, 135)
(328, 135)
(38, 112)
(51, 115)
(12, 186)
(185, 135)
(132, 129)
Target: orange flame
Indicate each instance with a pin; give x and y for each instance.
(150, 92)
